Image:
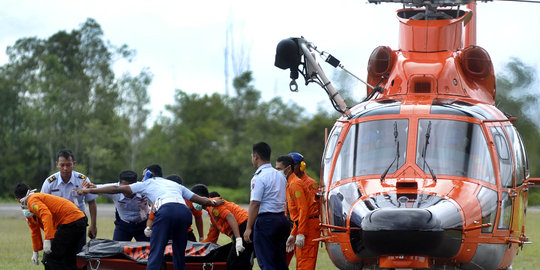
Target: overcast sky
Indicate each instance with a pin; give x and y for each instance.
(182, 42)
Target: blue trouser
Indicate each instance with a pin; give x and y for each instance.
(124, 231)
(269, 238)
(172, 222)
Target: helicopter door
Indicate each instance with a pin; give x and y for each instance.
(522, 172)
(506, 172)
(520, 158)
(326, 167)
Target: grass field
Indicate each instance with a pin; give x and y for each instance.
(16, 246)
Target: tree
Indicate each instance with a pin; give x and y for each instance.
(134, 96)
(61, 93)
(513, 97)
(199, 138)
(209, 137)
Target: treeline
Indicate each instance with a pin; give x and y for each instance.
(61, 92)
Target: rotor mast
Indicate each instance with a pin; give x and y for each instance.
(470, 28)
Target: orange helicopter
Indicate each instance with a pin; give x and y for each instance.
(426, 172)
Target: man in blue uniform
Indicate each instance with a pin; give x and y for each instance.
(131, 212)
(266, 214)
(62, 184)
(172, 215)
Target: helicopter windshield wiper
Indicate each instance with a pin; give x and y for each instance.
(396, 157)
(428, 132)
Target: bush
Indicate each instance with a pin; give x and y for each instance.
(236, 195)
(534, 196)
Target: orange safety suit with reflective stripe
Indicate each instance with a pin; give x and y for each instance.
(49, 211)
(213, 235)
(311, 184)
(218, 213)
(304, 212)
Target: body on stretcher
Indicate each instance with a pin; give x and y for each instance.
(105, 254)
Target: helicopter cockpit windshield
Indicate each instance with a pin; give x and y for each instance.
(453, 148)
(372, 148)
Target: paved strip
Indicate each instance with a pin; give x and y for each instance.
(103, 210)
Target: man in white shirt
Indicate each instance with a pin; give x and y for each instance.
(64, 182)
(266, 214)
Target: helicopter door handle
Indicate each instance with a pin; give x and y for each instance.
(479, 226)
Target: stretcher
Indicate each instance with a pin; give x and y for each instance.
(105, 254)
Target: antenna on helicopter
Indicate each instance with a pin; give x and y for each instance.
(330, 59)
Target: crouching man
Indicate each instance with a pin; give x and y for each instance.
(61, 220)
(231, 220)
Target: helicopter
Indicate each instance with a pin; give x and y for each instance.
(426, 172)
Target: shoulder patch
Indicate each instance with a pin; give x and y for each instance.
(315, 185)
(52, 178)
(215, 212)
(82, 176)
(35, 208)
(297, 194)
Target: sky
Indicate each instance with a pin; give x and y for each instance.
(182, 43)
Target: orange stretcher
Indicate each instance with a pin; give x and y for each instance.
(104, 254)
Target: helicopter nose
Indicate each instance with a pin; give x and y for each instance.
(402, 231)
(402, 219)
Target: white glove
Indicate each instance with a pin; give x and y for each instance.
(290, 243)
(147, 231)
(47, 246)
(300, 239)
(239, 246)
(35, 258)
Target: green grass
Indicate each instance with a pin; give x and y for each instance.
(16, 244)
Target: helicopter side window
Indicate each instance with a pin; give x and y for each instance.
(505, 162)
(525, 159)
(450, 147)
(329, 152)
(519, 159)
(506, 212)
(488, 204)
(345, 160)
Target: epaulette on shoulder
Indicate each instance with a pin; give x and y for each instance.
(82, 176)
(52, 178)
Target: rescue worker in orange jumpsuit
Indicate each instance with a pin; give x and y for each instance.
(213, 232)
(299, 170)
(61, 220)
(304, 212)
(231, 220)
(310, 183)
